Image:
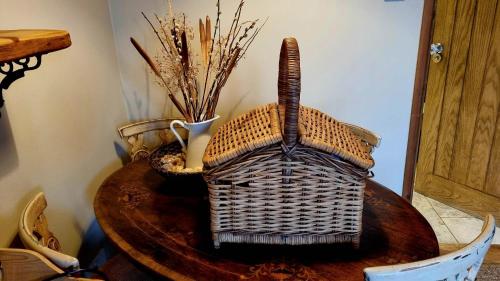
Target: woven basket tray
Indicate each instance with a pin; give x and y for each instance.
(287, 174)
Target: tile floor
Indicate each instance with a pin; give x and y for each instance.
(450, 225)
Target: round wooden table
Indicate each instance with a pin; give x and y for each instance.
(163, 223)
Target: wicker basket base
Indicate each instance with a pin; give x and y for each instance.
(279, 239)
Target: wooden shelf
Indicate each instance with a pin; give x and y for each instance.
(23, 43)
(27, 44)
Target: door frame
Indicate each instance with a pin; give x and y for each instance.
(419, 90)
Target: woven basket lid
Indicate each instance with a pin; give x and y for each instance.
(286, 122)
(261, 127)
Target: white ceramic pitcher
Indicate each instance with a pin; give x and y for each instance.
(199, 136)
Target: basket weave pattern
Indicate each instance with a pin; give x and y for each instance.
(252, 130)
(286, 174)
(321, 203)
(321, 131)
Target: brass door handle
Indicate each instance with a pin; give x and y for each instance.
(436, 52)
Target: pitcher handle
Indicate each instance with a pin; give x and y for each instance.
(172, 128)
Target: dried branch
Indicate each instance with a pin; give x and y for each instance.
(157, 72)
(219, 54)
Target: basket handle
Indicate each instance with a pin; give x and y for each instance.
(289, 89)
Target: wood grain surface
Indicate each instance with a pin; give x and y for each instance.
(493, 177)
(163, 223)
(27, 265)
(459, 154)
(458, 52)
(18, 44)
(21, 264)
(461, 196)
(435, 85)
(473, 82)
(487, 114)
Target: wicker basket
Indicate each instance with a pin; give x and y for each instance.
(287, 174)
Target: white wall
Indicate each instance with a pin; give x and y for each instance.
(358, 62)
(59, 122)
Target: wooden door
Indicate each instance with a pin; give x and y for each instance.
(459, 154)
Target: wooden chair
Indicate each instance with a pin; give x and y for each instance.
(459, 265)
(134, 134)
(27, 265)
(35, 235)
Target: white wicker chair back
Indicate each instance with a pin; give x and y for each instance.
(459, 265)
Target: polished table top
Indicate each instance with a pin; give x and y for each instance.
(163, 223)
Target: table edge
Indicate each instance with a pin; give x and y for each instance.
(166, 271)
(128, 249)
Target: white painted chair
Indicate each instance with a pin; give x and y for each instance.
(134, 133)
(461, 265)
(35, 235)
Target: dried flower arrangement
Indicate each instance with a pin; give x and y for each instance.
(199, 83)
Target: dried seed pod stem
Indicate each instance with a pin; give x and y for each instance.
(157, 72)
(203, 43)
(208, 34)
(199, 82)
